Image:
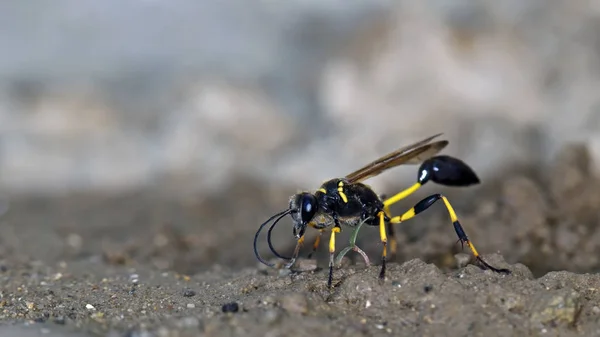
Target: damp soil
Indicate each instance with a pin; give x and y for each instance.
(147, 263)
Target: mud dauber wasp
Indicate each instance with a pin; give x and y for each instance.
(347, 201)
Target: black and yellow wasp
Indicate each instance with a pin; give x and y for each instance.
(347, 201)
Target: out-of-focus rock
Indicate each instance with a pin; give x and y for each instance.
(203, 93)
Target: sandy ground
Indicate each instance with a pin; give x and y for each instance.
(147, 264)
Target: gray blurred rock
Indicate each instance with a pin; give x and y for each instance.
(109, 95)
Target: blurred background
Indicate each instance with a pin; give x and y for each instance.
(185, 124)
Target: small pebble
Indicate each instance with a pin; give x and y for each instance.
(462, 260)
(380, 326)
(268, 300)
(596, 310)
(230, 307)
(134, 278)
(89, 307)
(191, 305)
(189, 293)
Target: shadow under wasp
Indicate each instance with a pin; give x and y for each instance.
(347, 201)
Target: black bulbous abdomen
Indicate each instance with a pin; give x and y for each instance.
(447, 170)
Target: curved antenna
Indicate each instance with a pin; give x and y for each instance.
(271, 244)
(280, 215)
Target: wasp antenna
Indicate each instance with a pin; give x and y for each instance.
(280, 215)
(271, 244)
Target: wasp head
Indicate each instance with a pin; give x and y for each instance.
(303, 207)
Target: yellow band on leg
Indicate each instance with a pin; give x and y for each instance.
(382, 232)
(386, 209)
(334, 230)
(453, 216)
(425, 204)
(472, 248)
(317, 240)
(407, 215)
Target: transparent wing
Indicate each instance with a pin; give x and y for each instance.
(411, 154)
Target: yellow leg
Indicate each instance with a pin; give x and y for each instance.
(462, 236)
(316, 244)
(390, 201)
(299, 245)
(334, 231)
(383, 236)
(386, 208)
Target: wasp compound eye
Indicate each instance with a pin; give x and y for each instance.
(309, 207)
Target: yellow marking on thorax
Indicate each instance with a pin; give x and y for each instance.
(322, 190)
(341, 191)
